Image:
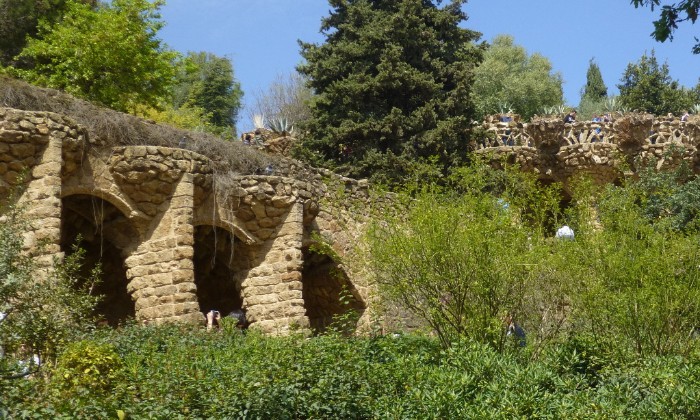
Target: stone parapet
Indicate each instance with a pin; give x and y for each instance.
(556, 151)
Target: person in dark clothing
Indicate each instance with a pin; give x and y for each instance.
(570, 117)
(514, 330)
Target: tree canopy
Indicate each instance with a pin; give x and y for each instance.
(20, 19)
(110, 54)
(509, 77)
(206, 81)
(647, 86)
(671, 15)
(392, 83)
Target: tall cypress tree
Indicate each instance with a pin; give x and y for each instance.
(392, 83)
(595, 88)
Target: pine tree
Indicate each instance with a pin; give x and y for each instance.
(392, 83)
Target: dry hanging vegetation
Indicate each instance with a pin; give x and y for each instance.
(112, 128)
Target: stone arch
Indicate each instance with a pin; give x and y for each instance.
(230, 226)
(129, 211)
(219, 258)
(107, 236)
(328, 291)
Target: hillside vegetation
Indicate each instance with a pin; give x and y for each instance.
(175, 372)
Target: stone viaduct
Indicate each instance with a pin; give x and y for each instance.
(605, 151)
(174, 240)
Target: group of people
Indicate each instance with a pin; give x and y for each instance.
(571, 117)
(255, 138)
(684, 116)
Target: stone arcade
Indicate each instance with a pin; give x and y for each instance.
(175, 241)
(172, 242)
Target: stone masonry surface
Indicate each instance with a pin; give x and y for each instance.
(161, 196)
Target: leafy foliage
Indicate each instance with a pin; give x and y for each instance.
(19, 19)
(671, 16)
(669, 199)
(391, 86)
(186, 117)
(87, 365)
(43, 310)
(509, 75)
(205, 81)
(617, 296)
(646, 86)
(175, 372)
(110, 55)
(463, 262)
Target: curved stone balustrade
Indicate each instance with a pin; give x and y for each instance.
(630, 128)
(556, 150)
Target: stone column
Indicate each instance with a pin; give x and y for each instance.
(161, 271)
(272, 291)
(27, 144)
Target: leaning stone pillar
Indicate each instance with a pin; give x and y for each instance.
(161, 271)
(31, 161)
(272, 291)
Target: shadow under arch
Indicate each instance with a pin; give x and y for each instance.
(328, 293)
(129, 211)
(107, 236)
(219, 256)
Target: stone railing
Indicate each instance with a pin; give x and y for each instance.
(556, 151)
(629, 128)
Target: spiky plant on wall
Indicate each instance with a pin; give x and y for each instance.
(281, 126)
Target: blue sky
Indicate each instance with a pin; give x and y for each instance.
(260, 36)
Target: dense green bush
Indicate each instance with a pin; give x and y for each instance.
(179, 372)
(463, 261)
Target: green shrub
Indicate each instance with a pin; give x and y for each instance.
(87, 365)
(185, 372)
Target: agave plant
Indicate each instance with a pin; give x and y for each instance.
(281, 126)
(547, 110)
(505, 108)
(554, 109)
(613, 104)
(695, 109)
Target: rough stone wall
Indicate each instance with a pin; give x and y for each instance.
(148, 203)
(30, 163)
(556, 151)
